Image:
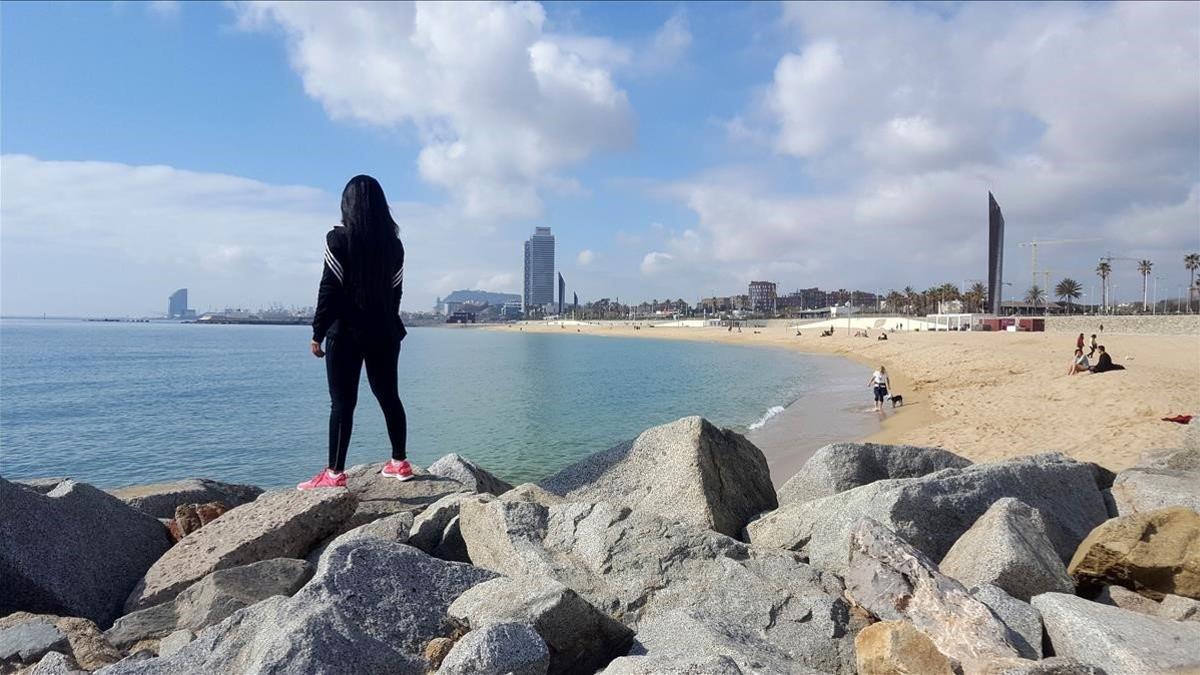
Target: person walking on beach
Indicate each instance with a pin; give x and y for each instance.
(879, 381)
(358, 320)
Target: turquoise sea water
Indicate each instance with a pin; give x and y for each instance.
(123, 403)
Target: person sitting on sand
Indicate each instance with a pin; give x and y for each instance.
(1105, 363)
(879, 382)
(882, 336)
(1080, 363)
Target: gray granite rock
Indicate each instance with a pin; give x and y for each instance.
(1117, 640)
(379, 496)
(686, 664)
(1055, 665)
(686, 641)
(1161, 478)
(631, 564)
(1008, 547)
(436, 529)
(843, 466)
(211, 599)
(1020, 617)
(55, 663)
(1179, 608)
(498, 649)
(933, 511)
(470, 474)
(1119, 596)
(371, 608)
(284, 524)
(580, 637)
(688, 470)
(29, 641)
(74, 551)
(171, 644)
(160, 499)
(894, 581)
(531, 492)
(395, 528)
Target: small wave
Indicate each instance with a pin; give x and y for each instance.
(773, 411)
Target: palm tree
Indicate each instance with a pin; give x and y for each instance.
(910, 299)
(1104, 269)
(1191, 262)
(1070, 289)
(979, 295)
(895, 299)
(1034, 295)
(1144, 267)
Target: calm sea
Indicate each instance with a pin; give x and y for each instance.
(122, 403)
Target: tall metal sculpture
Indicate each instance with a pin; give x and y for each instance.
(995, 255)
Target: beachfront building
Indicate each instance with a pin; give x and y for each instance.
(562, 293)
(762, 297)
(177, 305)
(995, 255)
(539, 270)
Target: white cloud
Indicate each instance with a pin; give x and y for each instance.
(1083, 119)
(83, 238)
(671, 41)
(167, 9)
(585, 258)
(503, 282)
(499, 105)
(655, 261)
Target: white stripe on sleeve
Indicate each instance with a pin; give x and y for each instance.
(332, 262)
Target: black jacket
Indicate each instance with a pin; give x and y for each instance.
(335, 297)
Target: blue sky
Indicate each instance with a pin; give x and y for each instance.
(676, 149)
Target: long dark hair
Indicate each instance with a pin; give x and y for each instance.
(373, 238)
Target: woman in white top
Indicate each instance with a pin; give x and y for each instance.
(879, 381)
(1079, 364)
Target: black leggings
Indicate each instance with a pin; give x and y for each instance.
(344, 357)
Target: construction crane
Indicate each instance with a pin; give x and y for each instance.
(1033, 245)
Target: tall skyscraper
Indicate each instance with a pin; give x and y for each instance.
(562, 294)
(539, 269)
(995, 255)
(177, 304)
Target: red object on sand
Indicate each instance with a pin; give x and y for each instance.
(1182, 419)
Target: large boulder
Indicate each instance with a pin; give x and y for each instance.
(27, 642)
(1020, 617)
(1179, 608)
(371, 608)
(394, 528)
(379, 497)
(74, 551)
(843, 466)
(1117, 640)
(470, 474)
(1161, 478)
(633, 565)
(82, 642)
(1152, 552)
(284, 524)
(1008, 547)
(580, 637)
(161, 499)
(932, 512)
(498, 649)
(436, 529)
(211, 599)
(894, 581)
(698, 643)
(894, 647)
(688, 470)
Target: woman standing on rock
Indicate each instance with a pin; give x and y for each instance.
(358, 319)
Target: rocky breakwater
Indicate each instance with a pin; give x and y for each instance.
(667, 554)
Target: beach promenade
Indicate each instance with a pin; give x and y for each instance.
(989, 396)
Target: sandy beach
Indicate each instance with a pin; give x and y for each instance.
(989, 396)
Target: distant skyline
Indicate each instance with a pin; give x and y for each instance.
(677, 150)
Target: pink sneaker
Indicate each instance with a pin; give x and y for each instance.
(325, 479)
(401, 470)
